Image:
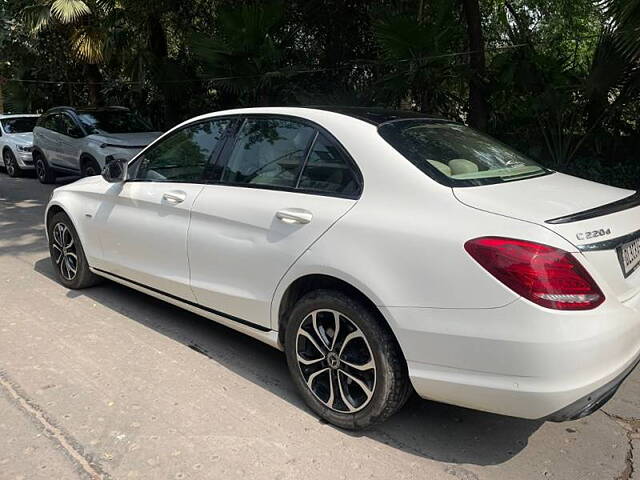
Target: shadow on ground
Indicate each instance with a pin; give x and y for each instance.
(22, 203)
(427, 429)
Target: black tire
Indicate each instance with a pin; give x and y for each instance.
(390, 387)
(44, 172)
(89, 167)
(11, 164)
(64, 246)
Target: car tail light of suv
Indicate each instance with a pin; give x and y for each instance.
(547, 276)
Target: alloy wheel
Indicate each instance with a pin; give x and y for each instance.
(41, 170)
(336, 361)
(64, 251)
(8, 164)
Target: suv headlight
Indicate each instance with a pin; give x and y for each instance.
(25, 148)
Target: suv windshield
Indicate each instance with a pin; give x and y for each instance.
(19, 124)
(456, 155)
(112, 121)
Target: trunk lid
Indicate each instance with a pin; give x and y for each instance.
(598, 219)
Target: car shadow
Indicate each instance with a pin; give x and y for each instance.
(427, 429)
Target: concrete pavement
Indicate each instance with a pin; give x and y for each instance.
(109, 383)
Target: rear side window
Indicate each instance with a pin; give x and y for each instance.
(269, 152)
(455, 155)
(47, 122)
(182, 156)
(327, 170)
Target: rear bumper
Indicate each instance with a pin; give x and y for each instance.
(519, 360)
(595, 400)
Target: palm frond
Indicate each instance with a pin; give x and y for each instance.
(37, 17)
(88, 44)
(69, 11)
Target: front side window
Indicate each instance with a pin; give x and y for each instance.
(66, 126)
(182, 156)
(456, 155)
(19, 124)
(327, 170)
(112, 121)
(268, 152)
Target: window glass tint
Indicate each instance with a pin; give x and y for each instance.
(182, 157)
(112, 121)
(66, 126)
(47, 122)
(327, 170)
(19, 124)
(268, 152)
(457, 153)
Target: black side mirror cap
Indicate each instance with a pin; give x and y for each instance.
(115, 169)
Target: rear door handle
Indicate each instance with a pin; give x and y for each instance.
(174, 196)
(294, 215)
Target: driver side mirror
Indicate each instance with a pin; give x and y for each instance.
(115, 169)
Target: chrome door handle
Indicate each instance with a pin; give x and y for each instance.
(174, 197)
(294, 215)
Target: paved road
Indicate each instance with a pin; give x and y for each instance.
(109, 383)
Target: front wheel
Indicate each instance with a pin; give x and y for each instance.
(11, 164)
(67, 255)
(344, 361)
(90, 167)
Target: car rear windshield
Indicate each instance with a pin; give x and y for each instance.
(19, 124)
(113, 121)
(456, 155)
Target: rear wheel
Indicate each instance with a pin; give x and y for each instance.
(44, 172)
(10, 163)
(67, 255)
(344, 361)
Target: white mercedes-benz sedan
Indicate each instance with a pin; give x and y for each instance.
(384, 252)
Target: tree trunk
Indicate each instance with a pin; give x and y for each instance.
(94, 78)
(478, 108)
(157, 43)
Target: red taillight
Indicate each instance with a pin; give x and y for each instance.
(545, 275)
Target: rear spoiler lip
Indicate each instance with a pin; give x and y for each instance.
(613, 207)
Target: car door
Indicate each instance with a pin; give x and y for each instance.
(45, 136)
(250, 226)
(143, 222)
(68, 143)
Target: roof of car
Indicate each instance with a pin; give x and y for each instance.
(19, 115)
(376, 116)
(86, 109)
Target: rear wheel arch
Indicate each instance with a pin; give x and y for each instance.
(308, 283)
(37, 152)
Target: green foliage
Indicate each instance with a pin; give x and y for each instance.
(248, 54)
(561, 77)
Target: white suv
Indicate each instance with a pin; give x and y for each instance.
(76, 141)
(16, 143)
